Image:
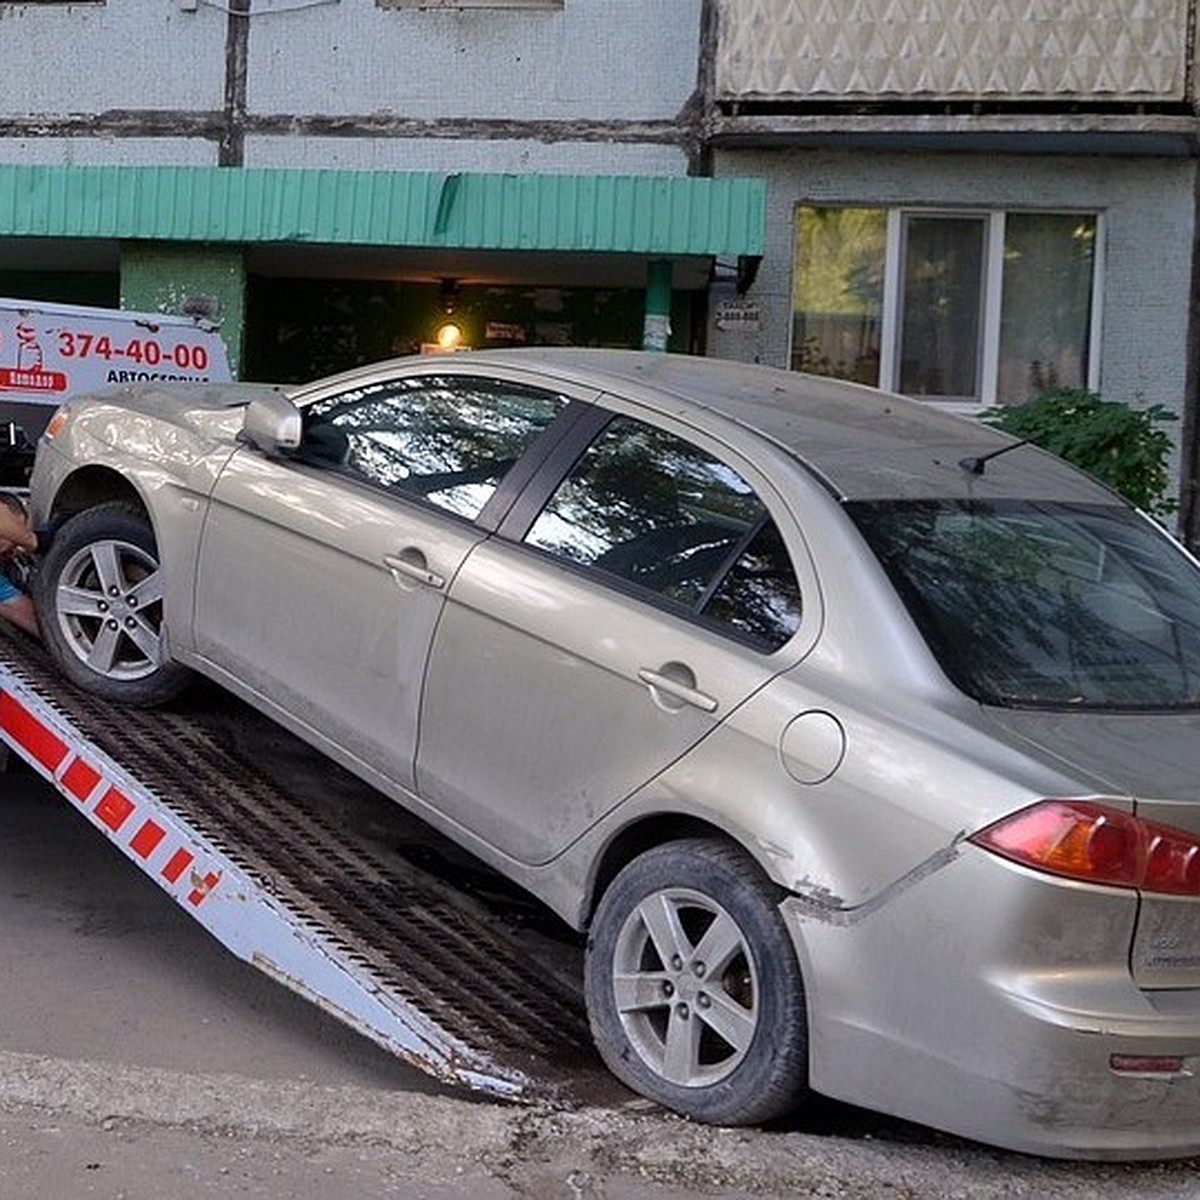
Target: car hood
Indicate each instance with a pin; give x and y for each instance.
(165, 421)
(184, 404)
(1153, 758)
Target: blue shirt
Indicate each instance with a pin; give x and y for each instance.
(8, 591)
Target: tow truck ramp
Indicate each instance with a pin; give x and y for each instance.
(374, 940)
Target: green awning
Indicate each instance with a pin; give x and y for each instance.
(629, 214)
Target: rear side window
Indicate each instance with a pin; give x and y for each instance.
(444, 439)
(652, 511)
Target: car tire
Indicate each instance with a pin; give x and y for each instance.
(98, 593)
(722, 1041)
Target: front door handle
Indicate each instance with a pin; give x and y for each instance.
(412, 564)
(677, 681)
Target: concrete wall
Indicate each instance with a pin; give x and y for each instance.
(593, 86)
(607, 60)
(78, 58)
(506, 156)
(945, 49)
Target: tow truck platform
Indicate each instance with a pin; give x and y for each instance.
(300, 869)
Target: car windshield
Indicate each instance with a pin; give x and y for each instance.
(1042, 604)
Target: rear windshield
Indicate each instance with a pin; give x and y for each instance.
(1051, 605)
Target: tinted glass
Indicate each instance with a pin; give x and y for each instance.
(1046, 604)
(759, 594)
(650, 509)
(443, 439)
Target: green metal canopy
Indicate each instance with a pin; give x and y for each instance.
(651, 215)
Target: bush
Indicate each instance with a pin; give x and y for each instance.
(1120, 445)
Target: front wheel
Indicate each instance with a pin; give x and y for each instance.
(99, 594)
(694, 993)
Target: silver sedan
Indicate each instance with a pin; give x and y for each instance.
(863, 741)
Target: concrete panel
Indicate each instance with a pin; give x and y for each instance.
(1006, 49)
(76, 58)
(596, 60)
(499, 157)
(109, 152)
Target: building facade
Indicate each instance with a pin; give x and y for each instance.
(336, 179)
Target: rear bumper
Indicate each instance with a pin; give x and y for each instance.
(988, 1001)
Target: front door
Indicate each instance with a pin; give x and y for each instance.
(321, 579)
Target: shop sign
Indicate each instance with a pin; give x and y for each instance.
(740, 315)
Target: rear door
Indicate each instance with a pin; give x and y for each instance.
(321, 579)
(651, 593)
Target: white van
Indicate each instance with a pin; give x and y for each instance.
(49, 352)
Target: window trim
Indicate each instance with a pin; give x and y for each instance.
(992, 289)
(561, 460)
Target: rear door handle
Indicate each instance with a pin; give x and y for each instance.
(670, 684)
(412, 564)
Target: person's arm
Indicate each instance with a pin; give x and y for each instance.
(20, 611)
(14, 529)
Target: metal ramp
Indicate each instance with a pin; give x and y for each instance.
(286, 884)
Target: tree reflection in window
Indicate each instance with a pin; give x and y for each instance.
(653, 510)
(1045, 604)
(449, 440)
(759, 595)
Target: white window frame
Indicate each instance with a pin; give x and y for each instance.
(992, 290)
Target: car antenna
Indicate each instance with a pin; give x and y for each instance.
(976, 464)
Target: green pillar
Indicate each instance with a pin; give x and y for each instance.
(188, 278)
(656, 326)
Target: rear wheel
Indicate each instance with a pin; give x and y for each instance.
(99, 595)
(694, 992)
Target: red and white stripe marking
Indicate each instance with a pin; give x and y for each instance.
(128, 821)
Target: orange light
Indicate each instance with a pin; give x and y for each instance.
(1080, 839)
(57, 421)
(449, 336)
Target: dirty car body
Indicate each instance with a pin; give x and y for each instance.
(863, 742)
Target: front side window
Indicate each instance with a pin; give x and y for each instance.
(979, 308)
(1045, 605)
(651, 510)
(443, 439)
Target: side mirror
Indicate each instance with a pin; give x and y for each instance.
(272, 424)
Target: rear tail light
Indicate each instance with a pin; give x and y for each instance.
(1080, 839)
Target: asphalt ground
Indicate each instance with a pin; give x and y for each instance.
(140, 1059)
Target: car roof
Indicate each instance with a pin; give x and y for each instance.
(865, 444)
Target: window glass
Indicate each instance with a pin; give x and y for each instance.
(942, 306)
(942, 342)
(759, 595)
(1046, 312)
(653, 510)
(1046, 604)
(448, 440)
(838, 298)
